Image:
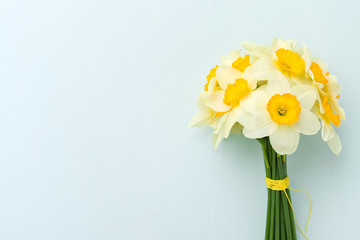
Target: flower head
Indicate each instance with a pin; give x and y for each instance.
(279, 91)
(283, 117)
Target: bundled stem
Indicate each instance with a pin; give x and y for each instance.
(280, 224)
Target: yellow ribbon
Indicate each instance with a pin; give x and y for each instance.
(282, 185)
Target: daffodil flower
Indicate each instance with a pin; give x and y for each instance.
(283, 117)
(227, 97)
(328, 109)
(328, 120)
(236, 103)
(330, 114)
(205, 116)
(282, 64)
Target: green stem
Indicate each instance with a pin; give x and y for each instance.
(280, 223)
(277, 211)
(273, 193)
(293, 227)
(263, 142)
(289, 232)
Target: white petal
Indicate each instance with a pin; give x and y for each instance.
(266, 69)
(261, 68)
(250, 46)
(252, 82)
(310, 74)
(220, 123)
(339, 110)
(323, 66)
(330, 77)
(256, 50)
(236, 129)
(211, 87)
(308, 123)
(205, 113)
(255, 101)
(215, 101)
(216, 139)
(335, 144)
(284, 140)
(334, 88)
(326, 131)
(305, 94)
(278, 43)
(307, 57)
(277, 83)
(233, 56)
(261, 125)
(227, 75)
(242, 116)
(228, 124)
(199, 120)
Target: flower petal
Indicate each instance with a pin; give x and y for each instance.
(236, 129)
(204, 115)
(252, 82)
(305, 94)
(228, 60)
(308, 123)
(211, 87)
(216, 139)
(215, 101)
(284, 140)
(199, 120)
(335, 144)
(266, 69)
(338, 110)
(326, 131)
(220, 123)
(277, 83)
(306, 55)
(278, 43)
(242, 116)
(227, 75)
(228, 124)
(261, 125)
(261, 68)
(255, 101)
(334, 88)
(256, 50)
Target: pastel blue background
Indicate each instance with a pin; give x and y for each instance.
(95, 99)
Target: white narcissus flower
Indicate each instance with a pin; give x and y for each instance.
(330, 114)
(283, 117)
(327, 107)
(206, 115)
(227, 99)
(326, 85)
(282, 64)
(328, 119)
(233, 102)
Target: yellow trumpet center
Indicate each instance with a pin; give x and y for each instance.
(235, 92)
(329, 115)
(241, 63)
(317, 72)
(284, 109)
(211, 75)
(289, 61)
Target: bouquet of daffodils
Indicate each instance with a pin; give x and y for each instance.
(272, 94)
